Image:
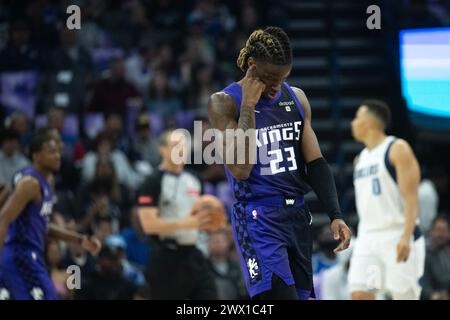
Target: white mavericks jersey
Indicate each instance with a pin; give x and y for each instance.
(378, 199)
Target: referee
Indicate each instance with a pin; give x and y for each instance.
(177, 269)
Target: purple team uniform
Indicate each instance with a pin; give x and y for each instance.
(23, 273)
(271, 223)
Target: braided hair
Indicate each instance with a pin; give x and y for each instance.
(270, 45)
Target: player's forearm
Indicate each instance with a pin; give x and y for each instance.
(3, 230)
(4, 223)
(161, 226)
(3, 196)
(58, 233)
(321, 179)
(243, 149)
(411, 208)
(246, 117)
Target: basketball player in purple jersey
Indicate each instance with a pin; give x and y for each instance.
(271, 222)
(24, 226)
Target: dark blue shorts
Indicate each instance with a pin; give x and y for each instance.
(24, 276)
(273, 237)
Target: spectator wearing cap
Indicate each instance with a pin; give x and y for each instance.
(144, 145)
(107, 281)
(129, 271)
(11, 159)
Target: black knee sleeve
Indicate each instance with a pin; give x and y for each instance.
(279, 291)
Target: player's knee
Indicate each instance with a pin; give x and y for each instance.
(362, 295)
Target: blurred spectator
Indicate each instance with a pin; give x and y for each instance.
(18, 122)
(102, 227)
(161, 97)
(105, 180)
(107, 281)
(227, 273)
(249, 18)
(428, 202)
(75, 255)
(11, 159)
(19, 54)
(165, 60)
(56, 120)
(71, 55)
(114, 94)
(129, 271)
(441, 183)
(93, 36)
(334, 280)
(104, 149)
(71, 72)
(100, 206)
(54, 256)
(115, 131)
(436, 282)
(5, 14)
(145, 146)
(166, 16)
(200, 88)
(138, 68)
(42, 17)
(441, 10)
(325, 258)
(137, 244)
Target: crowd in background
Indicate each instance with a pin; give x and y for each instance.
(134, 69)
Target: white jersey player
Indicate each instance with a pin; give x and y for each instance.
(389, 252)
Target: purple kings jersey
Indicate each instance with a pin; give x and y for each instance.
(30, 227)
(280, 168)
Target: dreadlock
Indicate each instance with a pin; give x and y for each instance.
(270, 45)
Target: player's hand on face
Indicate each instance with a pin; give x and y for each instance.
(403, 249)
(341, 232)
(252, 87)
(92, 245)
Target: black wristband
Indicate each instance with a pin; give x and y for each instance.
(321, 180)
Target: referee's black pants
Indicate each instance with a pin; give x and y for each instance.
(179, 273)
